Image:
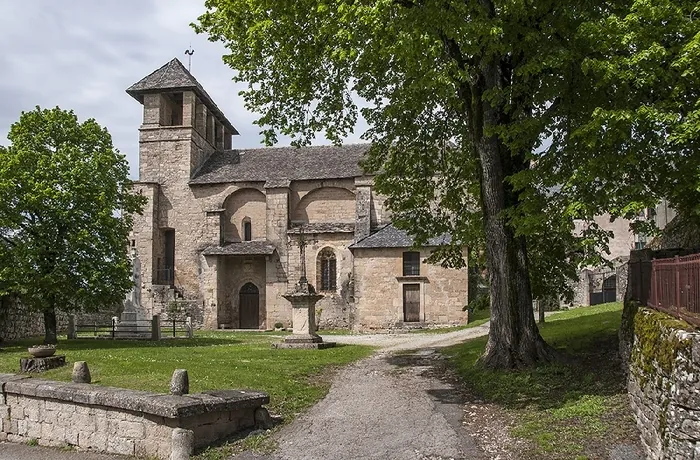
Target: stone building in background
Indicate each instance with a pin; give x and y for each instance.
(219, 237)
(603, 284)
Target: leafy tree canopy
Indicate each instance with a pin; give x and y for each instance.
(501, 121)
(65, 207)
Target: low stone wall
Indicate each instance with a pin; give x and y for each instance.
(119, 421)
(664, 385)
(18, 322)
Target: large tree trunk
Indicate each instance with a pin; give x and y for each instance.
(514, 339)
(50, 326)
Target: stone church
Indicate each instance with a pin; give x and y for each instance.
(221, 234)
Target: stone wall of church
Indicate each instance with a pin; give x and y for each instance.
(241, 206)
(278, 308)
(335, 310)
(379, 290)
(324, 205)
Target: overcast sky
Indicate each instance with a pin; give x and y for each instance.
(83, 54)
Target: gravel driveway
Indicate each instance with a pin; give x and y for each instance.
(388, 406)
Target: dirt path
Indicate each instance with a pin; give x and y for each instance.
(388, 406)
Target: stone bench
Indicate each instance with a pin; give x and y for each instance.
(119, 421)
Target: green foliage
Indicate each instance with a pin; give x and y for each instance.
(597, 100)
(520, 117)
(482, 302)
(65, 213)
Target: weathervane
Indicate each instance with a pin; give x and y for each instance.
(189, 52)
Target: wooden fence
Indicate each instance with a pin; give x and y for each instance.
(668, 285)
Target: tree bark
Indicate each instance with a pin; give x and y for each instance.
(50, 326)
(514, 339)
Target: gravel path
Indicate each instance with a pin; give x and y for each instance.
(399, 342)
(388, 406)
(11, 451)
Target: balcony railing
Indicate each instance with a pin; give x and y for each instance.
(165, 276)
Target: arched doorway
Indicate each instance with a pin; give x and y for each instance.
(249, 306)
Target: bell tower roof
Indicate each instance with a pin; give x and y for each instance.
(174, 77)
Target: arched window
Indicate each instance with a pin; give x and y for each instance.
(326, 270)
(247, 230)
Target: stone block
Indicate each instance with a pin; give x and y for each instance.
(81, 372)
(33, 430)
(4, 411)
(120, 445)
(51, 431)
(31, 410)
(132, 430)
(179, 383)
(82, 422)
(21, 428)
(182, 444)
(71, 435)
(29, 365)
(95, 440)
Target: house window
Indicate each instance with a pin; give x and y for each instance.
(326, 269)
(640, 241)
(411, 263)
(247, 231)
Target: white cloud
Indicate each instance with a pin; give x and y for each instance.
(83, 54)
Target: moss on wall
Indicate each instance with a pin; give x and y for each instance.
(657, 345)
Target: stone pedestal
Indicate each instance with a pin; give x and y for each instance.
(41, 364)
(132, 325)
(304, 335)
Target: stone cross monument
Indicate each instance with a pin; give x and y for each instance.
(133, 312)
(303, 300)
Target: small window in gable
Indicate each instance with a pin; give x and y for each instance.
(411, 263)
(326, 268)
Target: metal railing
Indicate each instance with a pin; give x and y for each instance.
(669, 285)
(165, 276)
(153, 329)
(176, 328)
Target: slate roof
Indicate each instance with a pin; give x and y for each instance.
(173, 76)
(391, 237)
(244, 248)
(282, 163)
(329, 227)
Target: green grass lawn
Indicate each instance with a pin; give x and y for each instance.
(295, 379)
(572, 410)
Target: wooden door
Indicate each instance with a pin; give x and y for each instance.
(249, 307)
(411, 302)
(610, 289)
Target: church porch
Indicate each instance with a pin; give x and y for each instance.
(234, 279)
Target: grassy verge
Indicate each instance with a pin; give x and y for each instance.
(572, 410)
(295, 379)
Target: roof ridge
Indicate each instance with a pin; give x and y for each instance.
(322, 146)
